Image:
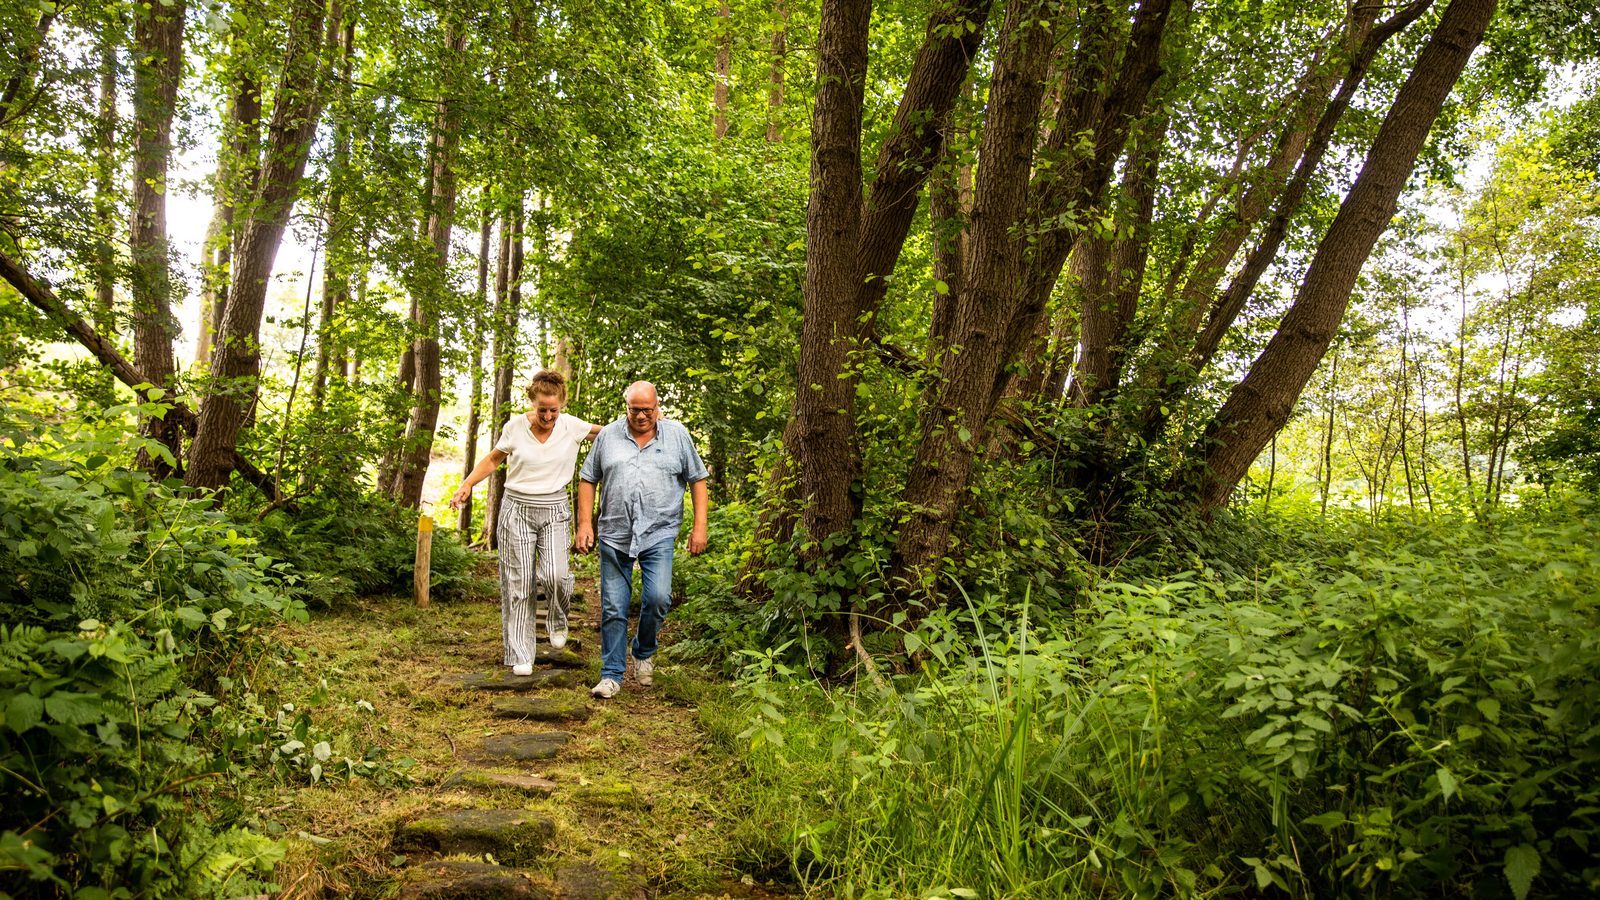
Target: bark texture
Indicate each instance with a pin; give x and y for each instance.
(157, 69)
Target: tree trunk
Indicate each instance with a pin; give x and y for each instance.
(997, 256)
(1013, 260)
(1261, 403)
(238, 165)
(236, 362)
(475, 346)
(157, 70)
(418, 445)
(105, 197)
(825, 433)
(508, 291)
(336, 268)
(22, 67)
(853, 243)
(780, 52)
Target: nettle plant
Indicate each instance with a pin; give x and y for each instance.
(124, 598)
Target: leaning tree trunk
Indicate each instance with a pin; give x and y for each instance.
(157, 69)
(418, 445)
(238, 165)
(236, 362)
(1261, 403)
(1013, 261)
(854, 243)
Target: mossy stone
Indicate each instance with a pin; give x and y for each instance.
(525, 747)
(612, 795)
(515, 836)
(565, 658)
(541, 709)
(529, 785)
(461, 880)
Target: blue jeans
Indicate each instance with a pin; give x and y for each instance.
(616, 596)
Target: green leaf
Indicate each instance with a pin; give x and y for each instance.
(72, 708)
(964, 434)
(1522, 866)
(913, 642)
(940, 288)
(1328, 820)
(1490, 708)
(23, 712)
(1447, 782)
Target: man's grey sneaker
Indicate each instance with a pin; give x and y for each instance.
(522, 669)
(644, 670)
(606, 689)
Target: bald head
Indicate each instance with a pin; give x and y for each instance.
(640, 393)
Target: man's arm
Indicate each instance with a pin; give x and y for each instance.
(584, 540)
(700, 496)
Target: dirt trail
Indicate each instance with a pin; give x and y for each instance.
(521, 787)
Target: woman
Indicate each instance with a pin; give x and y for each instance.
(534, 522)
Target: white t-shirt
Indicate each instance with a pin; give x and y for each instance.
(541, 468)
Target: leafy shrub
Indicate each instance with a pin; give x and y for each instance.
(1412, 715)
(122, 598)
(353, 543)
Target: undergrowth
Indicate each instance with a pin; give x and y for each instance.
(1394, 711)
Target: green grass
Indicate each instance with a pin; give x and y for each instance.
(1410, 712)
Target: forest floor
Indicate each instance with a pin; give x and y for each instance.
(636, 798)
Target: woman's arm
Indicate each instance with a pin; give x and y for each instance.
(479, 472)
(594, 432)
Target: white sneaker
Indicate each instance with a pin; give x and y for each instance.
(606, 689)
(558, 639)
(644, 671)
(522, 669)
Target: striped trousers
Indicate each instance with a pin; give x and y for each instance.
(534, 534)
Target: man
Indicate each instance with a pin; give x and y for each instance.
(642, 465)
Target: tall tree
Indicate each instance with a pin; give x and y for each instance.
(1261, 403)
(431, 306)
(157, 71)
(236, 363)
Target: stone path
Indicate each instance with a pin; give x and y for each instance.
(490, 852)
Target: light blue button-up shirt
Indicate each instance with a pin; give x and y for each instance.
(641, 488)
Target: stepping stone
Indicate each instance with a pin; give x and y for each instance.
(525, 747)
(565, 658)
(611, 796)
(529, 785)
(600, 879)
(505, 681)
(561, 708)
(514, 836)
(461, 880)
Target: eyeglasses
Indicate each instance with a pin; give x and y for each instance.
(640, 410)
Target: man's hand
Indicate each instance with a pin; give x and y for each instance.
(697, 541)
(460, 498)
(584, 541)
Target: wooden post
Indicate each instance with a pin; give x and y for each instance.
(424, 559)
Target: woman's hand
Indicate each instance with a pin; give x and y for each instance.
(461, 497)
